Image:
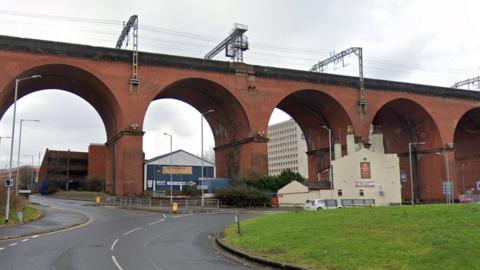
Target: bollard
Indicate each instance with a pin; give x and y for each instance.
(174, 207)
(20, 216)
(97, 200)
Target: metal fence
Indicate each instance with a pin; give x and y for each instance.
(142, 202)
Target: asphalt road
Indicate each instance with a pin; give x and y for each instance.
(121, 239)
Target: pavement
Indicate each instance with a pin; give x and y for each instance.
(52, 219)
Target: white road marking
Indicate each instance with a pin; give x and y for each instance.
(1, 248)
(116, 263)
(113, 244)
(186, 215)
(25, 240)
(133, 230)
(155, 222)
(12, 244)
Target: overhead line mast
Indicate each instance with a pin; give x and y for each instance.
(132, 24)
(472, 81)
(234, 45)
(320, 67)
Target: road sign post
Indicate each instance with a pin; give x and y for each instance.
(447, 188)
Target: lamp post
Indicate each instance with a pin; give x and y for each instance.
(17, 81)
(19, 145)
(330, 173)
(171, 163)
(31, 174)
(201, 148)
(411, 171)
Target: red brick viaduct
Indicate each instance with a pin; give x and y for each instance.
(244, 97)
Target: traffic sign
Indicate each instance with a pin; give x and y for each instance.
(8, 182)
(202, 187)
(447, 187)
(191, 183)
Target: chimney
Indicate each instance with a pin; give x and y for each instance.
(337, 150)
(377, 140)
(350, 141)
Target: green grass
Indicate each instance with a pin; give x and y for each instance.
(29, 213)
(83, 195)
(406, 237)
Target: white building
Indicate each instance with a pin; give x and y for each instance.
(287, 149)
(361, 174)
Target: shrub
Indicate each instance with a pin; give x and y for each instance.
(242, 196)
(94, 183)
(274, 183)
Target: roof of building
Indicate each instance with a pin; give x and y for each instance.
(180, 158)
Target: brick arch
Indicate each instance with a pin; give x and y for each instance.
(70, 79)
(312, 109)
(467, 150)
(402, 121)
(230, 124)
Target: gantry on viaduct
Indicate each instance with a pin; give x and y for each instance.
(244, 97)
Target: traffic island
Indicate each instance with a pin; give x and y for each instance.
(249, 259)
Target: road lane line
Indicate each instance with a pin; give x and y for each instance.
(1, 248)
(25, 240)
(116, 263)
(12, 244)
(113, 244)
(131, 231)
(186, 215)
(155, 222)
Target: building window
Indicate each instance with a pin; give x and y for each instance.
(340, 193)
(361, 193)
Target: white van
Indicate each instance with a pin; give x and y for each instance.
(319, 204)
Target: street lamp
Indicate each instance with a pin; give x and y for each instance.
(17, 81)
(330, 173)
(201, 132)
(411, 171)
(19, 145)
(171, 163)
(31, 174)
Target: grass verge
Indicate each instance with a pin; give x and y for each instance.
(29, 213)
(418, 237)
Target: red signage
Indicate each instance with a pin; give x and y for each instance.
(365, 170)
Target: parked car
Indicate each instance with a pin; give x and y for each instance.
(320, 204)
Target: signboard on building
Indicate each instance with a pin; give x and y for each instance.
(149, 183)
(177, 170)
(364, 184)
(365, 170)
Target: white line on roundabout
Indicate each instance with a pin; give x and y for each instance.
(116, 263)
(155, 222)
(113, 244)
(131, 231)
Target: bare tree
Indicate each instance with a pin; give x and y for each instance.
(209, 155)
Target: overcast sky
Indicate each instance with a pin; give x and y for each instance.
(426, 42)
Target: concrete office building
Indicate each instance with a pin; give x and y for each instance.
(287, 149)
